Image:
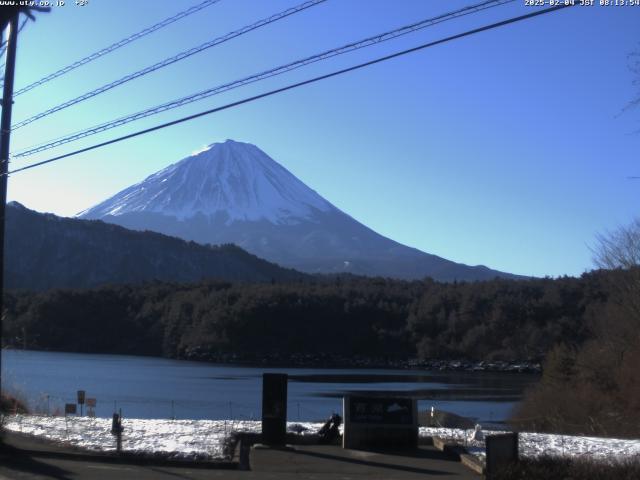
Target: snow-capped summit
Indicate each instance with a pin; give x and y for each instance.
(233, 192)
(233, 179)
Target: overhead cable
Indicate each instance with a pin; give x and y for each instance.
(117, 45)
(171, 60)
(260, 76)
(295, 85)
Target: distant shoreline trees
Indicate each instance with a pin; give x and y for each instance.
(498, 320)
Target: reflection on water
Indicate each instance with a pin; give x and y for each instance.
(145, 387)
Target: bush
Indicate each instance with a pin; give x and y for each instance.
(10, 405)
(549, 468)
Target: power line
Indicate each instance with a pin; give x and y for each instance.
(117, 45)
(261, 76)
(296, 85)
(171, 60)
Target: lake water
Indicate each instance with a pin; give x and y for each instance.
(148, 387)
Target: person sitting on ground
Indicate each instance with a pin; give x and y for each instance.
(330, 431)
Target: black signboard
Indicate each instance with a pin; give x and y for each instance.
(81, 394)
(274, 408)
(70, 409)
(381, 411)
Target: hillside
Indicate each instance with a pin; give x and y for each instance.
(45, 251)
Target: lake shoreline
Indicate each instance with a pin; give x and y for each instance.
(356, 361)
(322, 361)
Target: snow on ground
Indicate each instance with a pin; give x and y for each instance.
(204, 438)
(539, 444)
(178, 438)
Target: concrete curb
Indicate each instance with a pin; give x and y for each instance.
(470, 461)
(242, 449)
(444, 445)
(473, 463)
(245, 442)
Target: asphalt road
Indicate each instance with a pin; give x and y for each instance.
(22, 458)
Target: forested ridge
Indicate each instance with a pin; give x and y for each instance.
(342, 316)
(44, 251)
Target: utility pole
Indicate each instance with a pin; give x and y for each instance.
(5, 134)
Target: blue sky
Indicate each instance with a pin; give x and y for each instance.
(509, 148)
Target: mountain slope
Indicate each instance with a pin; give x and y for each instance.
(234, 180)
(233, 192)
(45, 251)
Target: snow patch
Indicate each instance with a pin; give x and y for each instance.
(546, 444)
(233, 178)
(177, 438)
(205, 438)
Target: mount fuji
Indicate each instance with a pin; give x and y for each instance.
(233, 192)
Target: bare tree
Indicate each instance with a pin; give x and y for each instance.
(594, 388)
(620, 248)
(619, 251)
